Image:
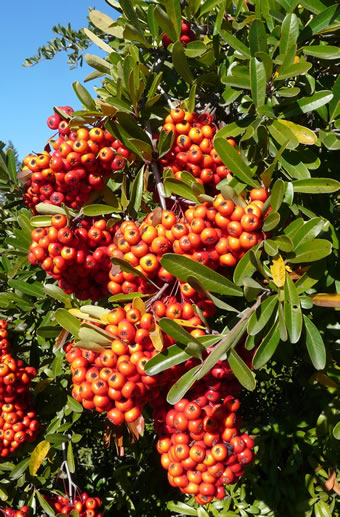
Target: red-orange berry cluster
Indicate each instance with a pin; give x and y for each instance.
(201, 447)
(11, 512)
(79, 164)
(18, 423)
(76, 256)
(114, 380)
(85, 505)
(193, 149)
(187, 35)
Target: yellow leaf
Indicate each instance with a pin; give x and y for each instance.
(186, 323)
(38, 456)
(278, 271)
(303, 134)
(139, 304)
(103, 319)
(326, 299)
(157, 338)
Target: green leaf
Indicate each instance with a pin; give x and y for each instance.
(131, 15)
(282, 134)
(126, 266)
(180, 62)
(57, 293)
(321, 509)
(308, 231)
(93, 336)
(178, 333)
(277, 194)
(75, 406)
(246, 266)
(292, 310)
(307, 104)
(267, 347)
(179, 389)
(70, 458)
(334, 105)
(289, 32)
(262, 315)
(89, 345)
(165, 23)
(192, 98)
(323, 21)
(178, 187)
(105, 23)
(84, 96)
(128, 122)
(44, 208)
(267, 63)
(94, 210)
(293, 70)
(173, 9)
(311, 251)
(137, 192)
(40, 220)
(336, 431)
(283, 242)
(258, 81)
(288, 91)
(36, 289)
(195, 49)
(182, 267)
(322, 51)
(98, 63)
(44, 505)
(241, 371)
(67, 321)
(234, 162)
(271, 221)
(257, 37)
(182, 508)
(126, 297)
(19, 469)
(48, 331)
(208, 6)
(316, 185)
(165, 142)
(236, 44)
(315, 345)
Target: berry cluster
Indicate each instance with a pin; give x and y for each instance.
(187, 35)
(193, 149)
(201, 446)
(77, 257)
(114, 380)
(18, 423)
(85, 505)
(79, 165)
(11, 512)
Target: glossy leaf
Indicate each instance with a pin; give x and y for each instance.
(179, 389)
(277, 194)
(258, 81)
(165, 23)
(293, 71)
(182, 267)
(289, 32)
(39, 221)
(44, 208)
(307, 104)
(283, 135)
(323, 21)
(292, 310)
(125, 297)
(309, 231)
(271, 221)
(44, 505)
(124, 265)
(57, 293)
(311, 251)
(178, 333)
(262, 315)
(316, 186)
(241, 371)
(19, 469)
(36, 290)
(94, 210)
(180, 62)
(257, 37)
(322, 51)
(303, 134)
(236, 44)
(178, 187)
(234, 162)
(89, 345)
(165, 142)
(75, 406)
(315, 345)
(267, 347)
(182, 508)
(67, 321)
(37, 456)
(70, 458)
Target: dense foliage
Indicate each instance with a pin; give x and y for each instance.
(266, 75)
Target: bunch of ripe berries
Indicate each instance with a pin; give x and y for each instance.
(18, 423)
(85, 505)
(79, 165)
(201, 446)
(114, 380)
(11, 512)
(187, 35)
(75, 256)
(193, 149)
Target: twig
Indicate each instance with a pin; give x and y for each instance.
(64, 465)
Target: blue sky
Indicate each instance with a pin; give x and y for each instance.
(27, 95)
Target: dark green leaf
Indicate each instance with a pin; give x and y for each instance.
(131, 15)
(137, 192)
(323, 21)
(180, 387)
(292, 310)
(165, 23)
(336, 431)
(94, 210)
(277, 194)
(315, 344)
(75, 406)
(307, 104)
(258, 81)
(165, 142)
(241, 371)
(182, 267)
(44, 505)
(271, 221)
(262, 315)
(236, 44)
(128, 122)
(267, 347)
(245, 266)
(174, 186)
(289, 32)
(234, 162)
(308, 231)
(180, 62)
(178, 333)
(19, 469)
(257, 37)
